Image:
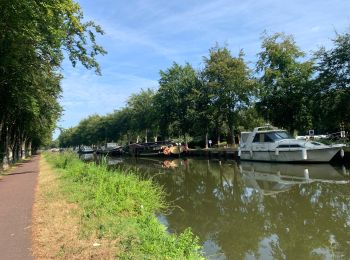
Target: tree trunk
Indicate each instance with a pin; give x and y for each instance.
(230, 136)
(129, 138)
(9, 154)
(146, 134)
(17, 150)
(8, 148)
(23, 150)
(29, 148)
(1, 126)
(5, 160)
(206, 140)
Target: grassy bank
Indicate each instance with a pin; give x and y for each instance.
(120, 209)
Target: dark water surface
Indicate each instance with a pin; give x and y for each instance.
(255, 210)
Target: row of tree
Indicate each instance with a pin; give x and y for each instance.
(226, 96)
(33, 36)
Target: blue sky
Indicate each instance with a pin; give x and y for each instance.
(143, 37)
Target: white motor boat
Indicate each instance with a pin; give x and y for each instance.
(268, 143)
(85, 149)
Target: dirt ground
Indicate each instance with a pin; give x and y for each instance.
(56, 225)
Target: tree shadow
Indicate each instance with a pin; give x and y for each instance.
(16, 173)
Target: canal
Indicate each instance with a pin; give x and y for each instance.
(254, 210)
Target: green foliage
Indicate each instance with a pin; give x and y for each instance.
(225, 97)
(285, 82)
(332, 91)
(231, 85)
(33, 38)
(249, 118)
(120, 205)
(144, 117)
(186, 104)
(174, 99)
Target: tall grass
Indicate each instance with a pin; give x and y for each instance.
(121, 207)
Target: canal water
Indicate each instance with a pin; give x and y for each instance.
(254, 210)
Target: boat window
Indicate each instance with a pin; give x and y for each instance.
(256, 138)
(279, 135)
(262, 138)
(294, 146)
(289, 146)
(316, 143)
(271, 137)
(267, 138)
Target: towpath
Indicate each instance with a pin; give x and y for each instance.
(16, 201)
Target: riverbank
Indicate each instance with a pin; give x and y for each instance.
(111, 214)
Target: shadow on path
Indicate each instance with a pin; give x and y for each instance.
(16, 202)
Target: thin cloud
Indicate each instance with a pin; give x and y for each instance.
(145, 36)
(88, 94)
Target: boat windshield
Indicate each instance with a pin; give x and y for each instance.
(271, 136)
(279, 135)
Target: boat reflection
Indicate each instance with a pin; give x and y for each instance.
(271, 178)
(112, 161)
(87, 157)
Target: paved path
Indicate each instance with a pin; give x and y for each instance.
(16, 201)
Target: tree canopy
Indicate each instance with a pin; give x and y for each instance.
(332, 86)
(287, 88)
(34, 35)
(284, 82)
(231, 85)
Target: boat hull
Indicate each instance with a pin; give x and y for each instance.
(112, 152)
(309, 156)
(85, 151)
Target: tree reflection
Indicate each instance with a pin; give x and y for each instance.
(282, 215)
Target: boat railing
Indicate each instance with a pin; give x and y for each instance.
(266, 127)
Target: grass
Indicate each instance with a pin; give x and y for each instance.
(113, 206)
(56, 224)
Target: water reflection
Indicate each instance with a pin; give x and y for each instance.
(87, 157)
(269, 179)
(256, 210)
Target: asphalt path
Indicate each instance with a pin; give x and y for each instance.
(16, 202)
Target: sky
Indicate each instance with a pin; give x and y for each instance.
(143, 37)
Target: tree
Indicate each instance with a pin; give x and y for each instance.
(285, 82)
(203, 120)
(332, 105)
(143, 112)
(174, 99)
(230, 84)
(33, 38)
